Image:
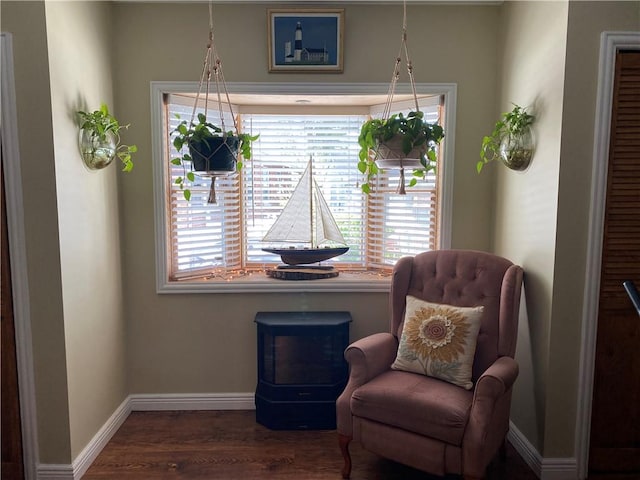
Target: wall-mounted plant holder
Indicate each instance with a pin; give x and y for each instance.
(511, 141)
(99, 140)
(516, 150)
(97, 152)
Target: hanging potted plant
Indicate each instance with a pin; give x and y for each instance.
(511, 140)
(99, 140)
(209, 150)
(398, 142)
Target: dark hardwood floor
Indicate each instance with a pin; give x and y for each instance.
(230, 445)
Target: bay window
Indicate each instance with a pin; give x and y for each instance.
(208, 247)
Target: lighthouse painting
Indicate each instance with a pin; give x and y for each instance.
(306, 40)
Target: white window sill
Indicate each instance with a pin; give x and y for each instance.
(261, 283)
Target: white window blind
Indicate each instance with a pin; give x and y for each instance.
(400, 225)
(202, 237)
(380, 228)
(281, 155)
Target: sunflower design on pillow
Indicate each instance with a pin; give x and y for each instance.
(439, 341)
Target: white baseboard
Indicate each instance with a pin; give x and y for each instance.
(559, 469)
(83, 461)
(527, 451)
(193, 401)
(142, 402)
(55, 472)
(544, 468)
(88, 455)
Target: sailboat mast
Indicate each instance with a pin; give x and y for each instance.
(313, 243)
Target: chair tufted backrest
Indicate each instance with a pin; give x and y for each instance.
(464, 278)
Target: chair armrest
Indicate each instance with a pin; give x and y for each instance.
(370, 356)
(498, 378)
(489, 416)
(367, 358)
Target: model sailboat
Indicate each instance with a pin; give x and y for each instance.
(306, 219)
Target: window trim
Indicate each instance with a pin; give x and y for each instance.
(260, 283)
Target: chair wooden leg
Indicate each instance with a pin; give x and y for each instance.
(343, 441)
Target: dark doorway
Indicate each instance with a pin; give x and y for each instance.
(12, 463)
(614, 451)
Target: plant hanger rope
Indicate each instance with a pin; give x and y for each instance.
(209, 147)
(213, 64)
(212, 61)
(396, 141)
(404, 49)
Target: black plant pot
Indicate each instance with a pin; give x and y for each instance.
(215, 154)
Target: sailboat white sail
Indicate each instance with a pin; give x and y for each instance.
(306, 219)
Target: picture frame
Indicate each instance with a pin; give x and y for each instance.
(305, 40)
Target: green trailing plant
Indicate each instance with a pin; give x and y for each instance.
(513, 124)
(414, 131)
(100, 124)
(191, 135)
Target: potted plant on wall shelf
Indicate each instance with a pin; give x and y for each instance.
(398, 142)
(209, 150)
(99, 140)
(511, 140)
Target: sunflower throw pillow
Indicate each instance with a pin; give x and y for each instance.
(439, 341)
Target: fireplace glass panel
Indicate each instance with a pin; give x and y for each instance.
(303, 359)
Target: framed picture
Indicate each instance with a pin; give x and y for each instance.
(305, 40)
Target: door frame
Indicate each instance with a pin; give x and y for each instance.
(610, 44)
(18, 258)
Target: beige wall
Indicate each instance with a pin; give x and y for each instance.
(62, 63)
(586, 22)
(80, 38)
(542, 215)
(206, 342)
(26, 22)
(526, 202)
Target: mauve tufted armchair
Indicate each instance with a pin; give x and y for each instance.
(424, 422)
